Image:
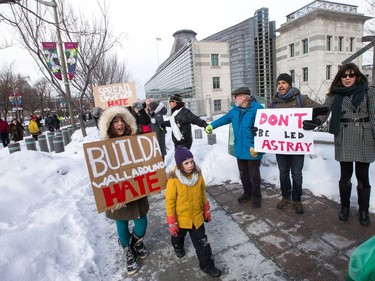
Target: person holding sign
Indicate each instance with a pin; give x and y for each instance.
(115, 122)
(242, 116)
(187, 208)
(288, 96)
(352, 104)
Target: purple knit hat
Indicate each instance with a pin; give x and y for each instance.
(181, 154)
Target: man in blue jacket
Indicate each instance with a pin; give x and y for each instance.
(242, 116)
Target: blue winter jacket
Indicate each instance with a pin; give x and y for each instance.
(242, 120)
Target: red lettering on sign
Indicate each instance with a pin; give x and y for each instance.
(118, 192)
(152, 181)
(120, 102)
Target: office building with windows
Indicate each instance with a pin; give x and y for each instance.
(314, 42)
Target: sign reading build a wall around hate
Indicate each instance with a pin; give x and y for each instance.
(121, 94)
(124, 169)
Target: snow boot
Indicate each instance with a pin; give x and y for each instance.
(363, 202)
(137, 244)
(345, 193)
(131, 261)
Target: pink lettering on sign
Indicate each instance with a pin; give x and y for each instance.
(280, 120)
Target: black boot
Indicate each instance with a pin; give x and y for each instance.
(345, 192)
(363, 202)
(137, 244)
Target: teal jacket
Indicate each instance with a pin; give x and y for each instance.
(242, 120)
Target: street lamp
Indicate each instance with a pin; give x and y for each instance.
(62, 59)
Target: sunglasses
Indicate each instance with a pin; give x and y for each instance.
(351, 75)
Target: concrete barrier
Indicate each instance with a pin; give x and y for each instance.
(70, 131)
(14, 147)
(27, 131)
(211, 139)
(65, 135)
(30, 143)
(58, 144)
(50, 136)
(198, 133)
(42, 140)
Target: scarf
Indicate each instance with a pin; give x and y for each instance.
(288, 96)
(187, 181)
(358, 93)
(175, 129)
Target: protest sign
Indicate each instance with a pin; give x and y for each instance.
(280, 131)
(124, 169)
(121, 94)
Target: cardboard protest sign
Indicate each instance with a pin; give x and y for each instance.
(122, 94)
(280, 131)
(124, 169)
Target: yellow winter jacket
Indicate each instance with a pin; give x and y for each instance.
(33, 127)
(185, 202)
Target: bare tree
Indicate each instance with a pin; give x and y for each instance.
(34, 24)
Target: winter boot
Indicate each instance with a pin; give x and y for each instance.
(137, 244)
(213, 271)
(363, 202)
(131, 261)
(345, 192)
(180, 253)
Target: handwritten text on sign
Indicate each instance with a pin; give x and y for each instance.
(124, 169)
(121, 94)
(280, 131)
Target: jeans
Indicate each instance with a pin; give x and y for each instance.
(287, 164)
(139, 229)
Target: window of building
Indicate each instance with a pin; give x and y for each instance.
(291, 50)
(328, 72)
(329, 43)
(305, 46)
(305, 73)
(214, 59)
(352, 44)
(341, 44)
(293, 75)
(217, 105)
(216, 82)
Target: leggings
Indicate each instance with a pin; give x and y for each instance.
(139, 229)
(361, 173)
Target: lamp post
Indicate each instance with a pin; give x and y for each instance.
(62, 59)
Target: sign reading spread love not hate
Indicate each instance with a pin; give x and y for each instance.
(280, 131)
(124, 169)
(121, 94)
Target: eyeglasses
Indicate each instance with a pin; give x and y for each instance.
(351, 75)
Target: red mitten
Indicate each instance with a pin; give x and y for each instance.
(206, 212)
(172, 225)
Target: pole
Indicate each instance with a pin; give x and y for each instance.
(63, 63)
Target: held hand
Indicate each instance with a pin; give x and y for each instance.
(311, 124)
(206, 212)
(209, 129)
(253, 153)
(172, 225)
(254, 130)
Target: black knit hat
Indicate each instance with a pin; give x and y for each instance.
(241, 91)
(285, 77)
(175, 97)
(181, 154)
(153, 105)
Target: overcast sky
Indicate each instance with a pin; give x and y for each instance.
(143, 21)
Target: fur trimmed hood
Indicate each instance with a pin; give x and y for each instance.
(110, 113)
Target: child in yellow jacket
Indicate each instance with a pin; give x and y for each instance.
(187, 208)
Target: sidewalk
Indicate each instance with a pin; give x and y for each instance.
(258, 244)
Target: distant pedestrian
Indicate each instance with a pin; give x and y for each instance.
(156, 111)
(49, 123)
(16, 130)
(138, 110)
(4, 132)
(181, 120)
(56, 121)
(33, 127)
(96, 112)
(187, 208)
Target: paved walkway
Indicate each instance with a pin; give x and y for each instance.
(313, 246)
(258, 244)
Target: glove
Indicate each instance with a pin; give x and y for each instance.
(320, 111)
(209, 129)
(153, 120)
(172, 225)
(311, 124)
(206, 212)
(137, 106)
(253, 153)
(254, 130)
